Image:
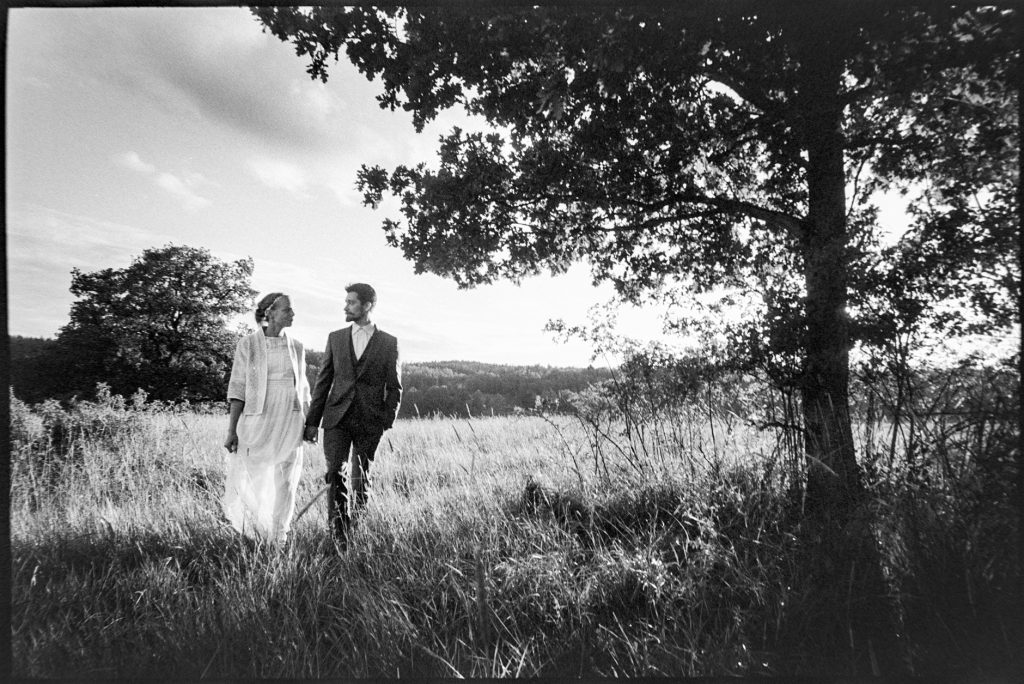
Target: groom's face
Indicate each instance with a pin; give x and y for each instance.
(354, 309)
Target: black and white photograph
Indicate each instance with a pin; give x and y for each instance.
(472, 340)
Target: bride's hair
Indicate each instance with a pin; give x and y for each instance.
(266, 303)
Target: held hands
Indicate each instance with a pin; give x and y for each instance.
(309, 434)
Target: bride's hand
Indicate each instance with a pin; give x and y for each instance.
(231, 443)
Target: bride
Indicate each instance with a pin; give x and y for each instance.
(269, 396)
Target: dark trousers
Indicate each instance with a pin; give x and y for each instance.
(350, 435)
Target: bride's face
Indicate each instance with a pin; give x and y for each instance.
(281, 314)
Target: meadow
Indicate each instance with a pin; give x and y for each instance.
(515, 546)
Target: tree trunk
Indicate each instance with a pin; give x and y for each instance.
(832, 475)
(843, 549)
(1020, 265)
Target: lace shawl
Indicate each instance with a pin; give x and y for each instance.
(249, 372)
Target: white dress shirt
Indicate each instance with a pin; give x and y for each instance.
(361, 337)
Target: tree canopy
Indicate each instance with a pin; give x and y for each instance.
(718, 144)
(161, 324)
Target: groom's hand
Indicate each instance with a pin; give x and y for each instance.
(310, 433)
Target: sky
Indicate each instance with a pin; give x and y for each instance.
(134, 128)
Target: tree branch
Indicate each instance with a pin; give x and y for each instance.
(868, 141)
(749, 94)
(792, 224)
(856, 187)
(659, 221)
(853, 94)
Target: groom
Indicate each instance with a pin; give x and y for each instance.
(355, 399)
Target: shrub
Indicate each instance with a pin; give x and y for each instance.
(28, 430)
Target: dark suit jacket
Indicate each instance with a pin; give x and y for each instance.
(373, 385)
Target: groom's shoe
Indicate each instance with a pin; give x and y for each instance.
(336, 545)
(340, 533)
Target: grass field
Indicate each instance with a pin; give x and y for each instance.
(497, 547)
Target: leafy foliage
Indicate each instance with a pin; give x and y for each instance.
(709, 146)
(160, 325)
(651, 139)
(34, 375)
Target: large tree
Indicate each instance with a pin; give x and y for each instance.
(718, 143)
(162, 324)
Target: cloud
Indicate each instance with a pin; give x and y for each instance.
(340, 179)
(225, 68)
(205, 63)
(170, 183)
(218, 66)
(38, 234)
(178, 187)
(44, 244)
(280, 175)
(131, 160)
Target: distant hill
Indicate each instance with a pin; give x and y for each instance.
(470, 388)
(451, 388)
(463, 388)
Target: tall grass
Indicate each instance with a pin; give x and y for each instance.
(498, 547)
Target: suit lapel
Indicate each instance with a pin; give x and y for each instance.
(344, 349)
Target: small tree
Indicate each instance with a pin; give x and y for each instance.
(162, 324)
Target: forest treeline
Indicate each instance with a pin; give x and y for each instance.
(449, 388)
(469, 388)
(464, 389)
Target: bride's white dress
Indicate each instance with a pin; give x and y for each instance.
(263, 475)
